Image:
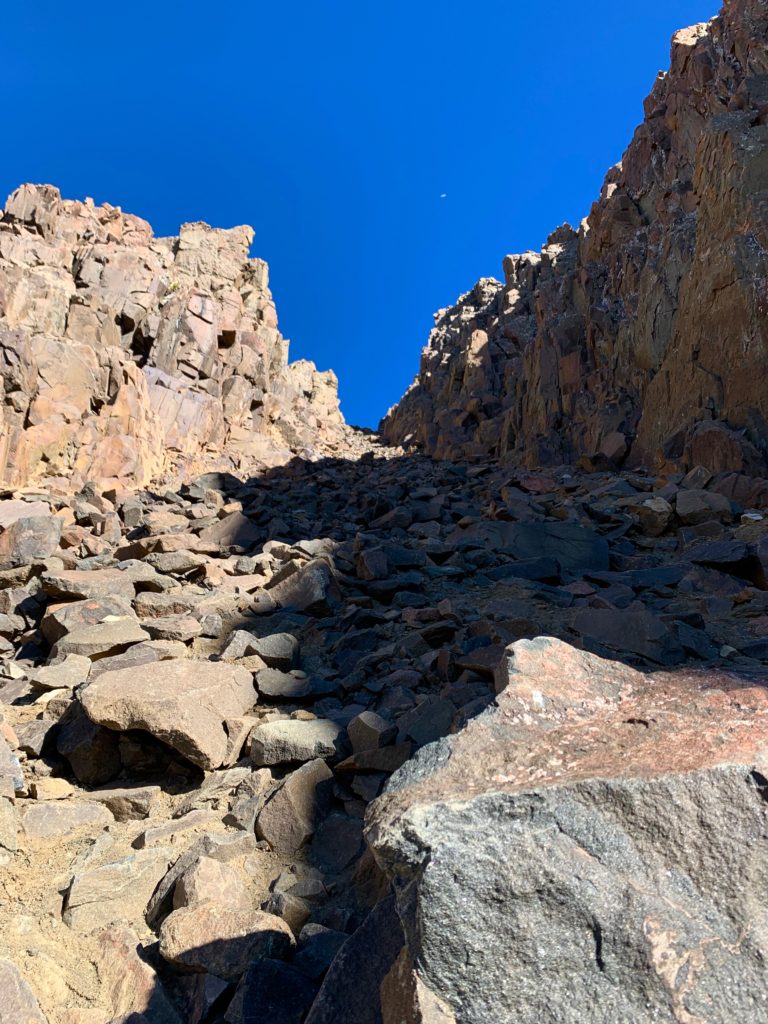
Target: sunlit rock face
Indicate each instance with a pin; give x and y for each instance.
(650, 319)
(122, 354)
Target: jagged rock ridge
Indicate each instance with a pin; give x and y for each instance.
(648, 323)
(122, 354)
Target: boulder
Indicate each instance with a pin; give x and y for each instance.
(29, 538)
(91, 750)
(55, 820)
(694, 507)
(261, 995)
(289, 740)
(350, 991)
(222, 940)
(128, 803)
(209, 879)
(117, 890)
(128, 981)
(273, 684)
(633, 629)
(61, 619)
(183, 703)
(312, 587)
(64, 675)
(291, 816)
(102, 640)
(234, 530)
(93, 584)
(616, 798)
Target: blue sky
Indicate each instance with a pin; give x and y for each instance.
(334, 128)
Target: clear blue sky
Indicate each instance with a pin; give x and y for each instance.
(333, 128)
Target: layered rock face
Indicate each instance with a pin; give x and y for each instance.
(123, 355)
(648, 324)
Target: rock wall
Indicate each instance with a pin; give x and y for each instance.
(122, 354)
(648, 320)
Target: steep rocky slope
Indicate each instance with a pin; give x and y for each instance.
(648, 320)
(202, 691)
(123, 355)
(301, 727)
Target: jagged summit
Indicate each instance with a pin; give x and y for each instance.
(123, 355)
(635, 334)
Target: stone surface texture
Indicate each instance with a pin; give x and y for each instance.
(183, 703)
(123, 355)
(606, 827)
(299, 726)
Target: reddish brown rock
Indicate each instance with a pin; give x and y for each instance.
(122, 354)
(184, 703)
(222, 940)
(128, 982)
(647, 325)
(19, 1005)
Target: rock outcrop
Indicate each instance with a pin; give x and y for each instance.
(643, 334)
(123, 356)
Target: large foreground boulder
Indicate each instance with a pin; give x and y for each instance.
(591, 849)
(182, 702)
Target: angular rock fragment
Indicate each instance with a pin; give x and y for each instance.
(128, 981)
(128, 803)
(19, 1005)
(262, 992)
(222, 940)
(28, 538)
(102, 640)
(61, 619)
(67, 674)
(310, 588)
(289, 740)
(291, 816)
(51, 820)
(118, 890)
(183, 703)
(209, 879)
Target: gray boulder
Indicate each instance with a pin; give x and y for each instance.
(562, 859)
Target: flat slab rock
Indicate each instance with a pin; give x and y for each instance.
(119, 890)
(616, 799)
(102, 639)
(294, 740)
(57, 820)
(181, 702)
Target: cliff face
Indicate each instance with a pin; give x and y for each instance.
(122, 354)
(651, 318)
